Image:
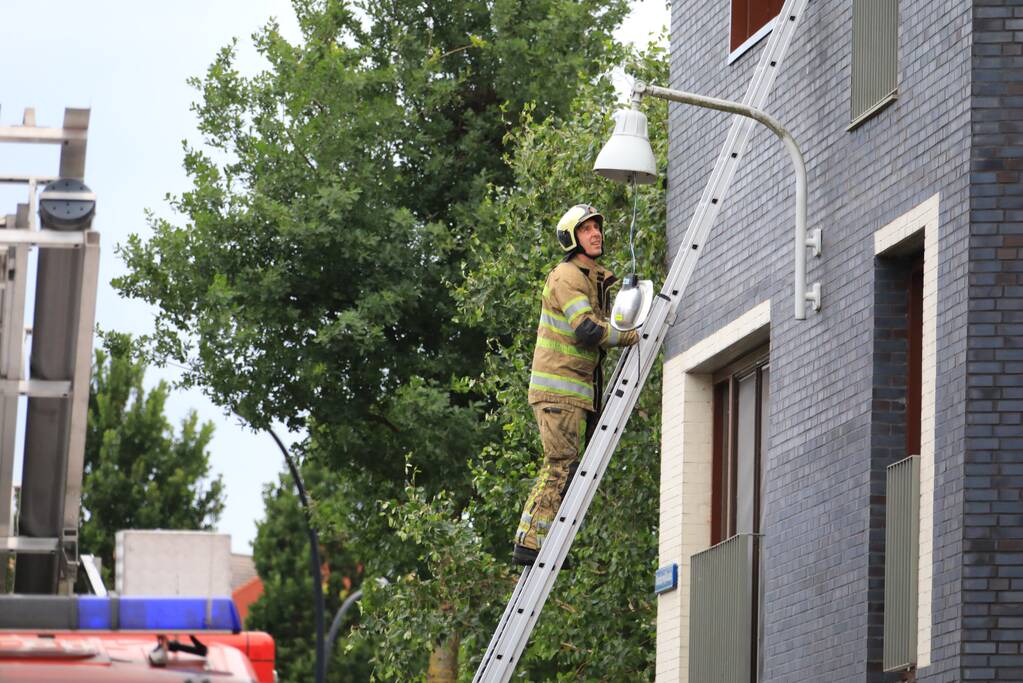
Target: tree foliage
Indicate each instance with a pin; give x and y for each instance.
(138, 473)
(356, 259)
(325, 227)
(599, 621)
(310, 280)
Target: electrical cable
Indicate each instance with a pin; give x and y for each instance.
(632, 248)
(632, 225)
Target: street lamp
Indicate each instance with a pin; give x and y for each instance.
(627, 157)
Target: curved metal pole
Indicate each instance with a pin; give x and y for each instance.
(335, 627)
(798, 164)
(314, 557)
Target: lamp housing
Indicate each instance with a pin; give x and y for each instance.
(627, 156)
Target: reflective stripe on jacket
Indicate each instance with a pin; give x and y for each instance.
(572, 331)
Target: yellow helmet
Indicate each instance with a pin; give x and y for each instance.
(573, 218)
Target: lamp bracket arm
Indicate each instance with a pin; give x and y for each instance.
(641, 89)
(802, 240)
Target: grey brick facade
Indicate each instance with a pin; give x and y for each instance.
(992, 600)
(956, 130)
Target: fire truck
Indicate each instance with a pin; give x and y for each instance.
(47, 632)
(136, 639)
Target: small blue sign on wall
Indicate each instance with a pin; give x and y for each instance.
(666, 579)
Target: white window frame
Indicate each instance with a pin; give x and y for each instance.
(924, 218)
(687, 454)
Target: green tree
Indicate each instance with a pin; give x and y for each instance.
(312, 281)
(138, 473)
(599, 620)
(332, 210)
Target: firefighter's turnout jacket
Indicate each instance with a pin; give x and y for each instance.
(573, 330)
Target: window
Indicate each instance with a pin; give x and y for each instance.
(903, 416)
(749, 17)
(709, 620)
(902, 496)
(895, 454)
(740, 418)
(875, 57)
(739, 441)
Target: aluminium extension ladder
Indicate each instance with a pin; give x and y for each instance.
(535, 583)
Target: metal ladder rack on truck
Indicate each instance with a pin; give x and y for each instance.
(535, 583)
(57, 222)
(45, 636)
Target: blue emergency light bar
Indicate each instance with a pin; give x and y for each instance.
(128, 613)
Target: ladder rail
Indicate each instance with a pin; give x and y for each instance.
(573, 511)
(531, 593)
(613, 379)
(499, 631)
(523, 577)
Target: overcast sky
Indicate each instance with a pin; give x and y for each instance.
(128, 61)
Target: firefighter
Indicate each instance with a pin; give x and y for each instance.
(564, 386)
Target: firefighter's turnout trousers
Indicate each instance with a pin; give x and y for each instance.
(563, 434)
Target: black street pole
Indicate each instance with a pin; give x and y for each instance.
(314, 557)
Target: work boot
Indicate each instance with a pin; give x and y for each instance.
(527, 556)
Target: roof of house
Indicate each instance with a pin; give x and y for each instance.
(243, 570)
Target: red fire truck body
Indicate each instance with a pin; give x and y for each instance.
(121, 657)
(124, 657)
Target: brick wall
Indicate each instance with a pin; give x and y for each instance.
(993, 523)
(819, 475)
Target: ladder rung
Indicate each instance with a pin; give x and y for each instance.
(28, 545)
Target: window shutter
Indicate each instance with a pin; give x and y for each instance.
(902, 547)
(723, 611)
(875, 56)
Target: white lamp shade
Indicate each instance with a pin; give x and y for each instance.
(627, 155)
